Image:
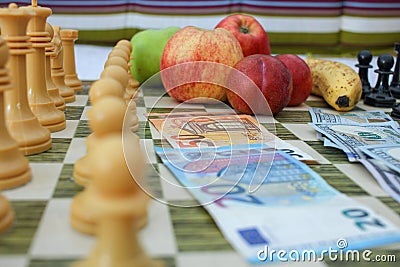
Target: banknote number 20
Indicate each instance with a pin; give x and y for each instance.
(362, 219)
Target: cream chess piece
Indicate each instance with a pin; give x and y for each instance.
(117, 202)
(24, 127)
(57, 69)
(42, 105)
(68, 38)
(6, 214)
(14, 167)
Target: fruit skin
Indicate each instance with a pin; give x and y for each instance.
(336, 82)
(301, 77)
(147, 48)
(271, 76)
(193, 44)
(249, 32)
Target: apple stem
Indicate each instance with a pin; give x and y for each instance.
(244, 29)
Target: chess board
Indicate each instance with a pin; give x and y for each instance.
(182, 237)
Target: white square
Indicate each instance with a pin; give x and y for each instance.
(148, 150)
(14, 261)
(171, 187)
(218, 258)
(55, 236)
(76, 150)
(361, 176)
(301, 107)
(42, 185)
(84, 116)
(303, 132)
(68, 132)
(80, 100)
(157, 237)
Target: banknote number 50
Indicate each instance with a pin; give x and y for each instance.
(362, 219)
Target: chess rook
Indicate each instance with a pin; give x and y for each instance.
(52, 88)
(395, 84)
(41, 103)
(68, 38)
(364, 59)
(57, 69)
(14, 167)
(24, 127)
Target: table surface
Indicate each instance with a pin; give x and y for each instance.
(42, 235)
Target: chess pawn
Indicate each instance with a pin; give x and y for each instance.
(40, 102)
(133, 85)
(6, 214)
(381, 96)
(120, 52)
(117, 201)
(68, 38)
(14, 167)
(23, 126)
(111, 122)
(106, 118)
(364, 59)
(57, 69)
(395, 84)
(52, 89)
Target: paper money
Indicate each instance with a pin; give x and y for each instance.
(387, 154)
(352, 137)
(329, 116)
(387, 178)
(214, 130)
(261, 198)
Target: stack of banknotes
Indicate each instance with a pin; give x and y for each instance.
(369, 137)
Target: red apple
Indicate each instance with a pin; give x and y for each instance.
(196, 45)
(249, 32)
(270, 75)
(301, 77)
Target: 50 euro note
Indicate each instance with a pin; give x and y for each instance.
(262, 198)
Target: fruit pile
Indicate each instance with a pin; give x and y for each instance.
(233, 63)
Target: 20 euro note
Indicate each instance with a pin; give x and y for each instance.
(263, 198)
(351, 137)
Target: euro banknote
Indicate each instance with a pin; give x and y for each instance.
(265, 199)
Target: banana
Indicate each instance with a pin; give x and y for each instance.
(336, 82)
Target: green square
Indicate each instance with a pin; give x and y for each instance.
(194, 228)
(73, 112)
(66, 186)
(338, 180)
(83, 129)
(334, 155)
(153, 182)
(18, 239)
(280, 131)
(287, 116)
(144, 131)
(56, 153)
(391, 203)
(154, 91)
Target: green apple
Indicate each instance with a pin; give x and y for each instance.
(147, 48)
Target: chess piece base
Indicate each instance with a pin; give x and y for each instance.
(14, 167)
(31, 137)
(82, 218)
(81, 171)
(379, 100)
(396, 111)
(72, 81)
(49, 116)
(6, 214)
(59, 102)
(395, 91)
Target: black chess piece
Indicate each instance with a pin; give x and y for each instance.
(364, 58)
(395, 84)
(381, 96)
(396, 111)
